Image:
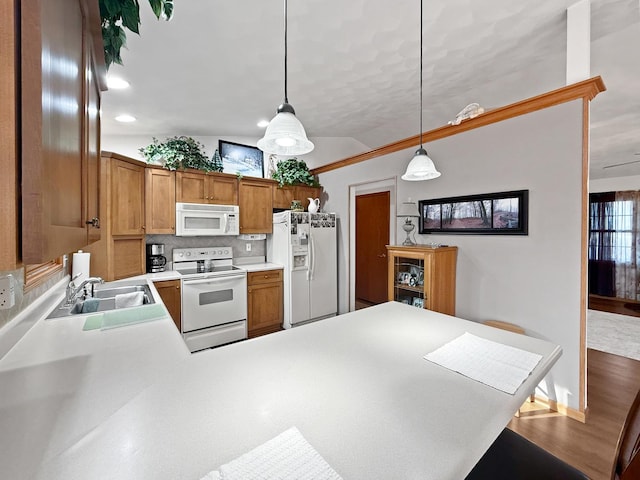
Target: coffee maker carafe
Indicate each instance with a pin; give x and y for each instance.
(156, 261)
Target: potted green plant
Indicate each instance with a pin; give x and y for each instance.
(293, 171)
(180, 152)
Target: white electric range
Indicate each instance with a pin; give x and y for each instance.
(214, 296)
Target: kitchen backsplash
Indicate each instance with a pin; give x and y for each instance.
(23, 300)
(258, 247)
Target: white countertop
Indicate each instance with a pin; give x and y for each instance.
(257, 267)
(132, 403)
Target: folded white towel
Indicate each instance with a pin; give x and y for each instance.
(288, 456)
(495, 364)
(132, 299)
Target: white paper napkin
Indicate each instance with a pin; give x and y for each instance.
(286, 457)
(495, 364)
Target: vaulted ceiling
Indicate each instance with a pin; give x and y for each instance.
(217, 68)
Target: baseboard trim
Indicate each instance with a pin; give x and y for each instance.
(562, 409)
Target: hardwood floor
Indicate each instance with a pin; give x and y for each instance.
(360, 303)
(614, 305)
(612, 383)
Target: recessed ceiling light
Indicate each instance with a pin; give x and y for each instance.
(263, 123)
(125, 118)
(117, 83)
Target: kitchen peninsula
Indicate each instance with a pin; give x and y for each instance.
(132, 403)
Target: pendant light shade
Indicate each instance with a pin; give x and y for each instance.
(285, 134)
(420, 167)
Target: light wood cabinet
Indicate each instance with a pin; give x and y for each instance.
(120, 253)
(264, 302)
(127, 198)
(423, 276)
(160, 201)
(256, 206)
(169, 291)
(200, 187)
(282, 196)
(59, 126)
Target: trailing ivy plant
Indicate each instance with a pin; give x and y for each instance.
(179, 152)
(293, 171)
(116, 15)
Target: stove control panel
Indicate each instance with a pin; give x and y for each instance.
(202, 253)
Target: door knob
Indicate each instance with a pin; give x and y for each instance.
(382, 255)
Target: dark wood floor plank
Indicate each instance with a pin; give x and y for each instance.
(612, 383)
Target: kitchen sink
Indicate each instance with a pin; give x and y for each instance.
(106, 298)
(109, 292)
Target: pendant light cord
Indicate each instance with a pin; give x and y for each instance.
(420, 73)
(286, 98)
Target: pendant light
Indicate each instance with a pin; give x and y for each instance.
(285, 134)
(420, 167)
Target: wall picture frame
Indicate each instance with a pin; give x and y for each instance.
(241, 159)
(502, 213)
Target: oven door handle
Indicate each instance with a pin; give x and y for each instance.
(213, 279)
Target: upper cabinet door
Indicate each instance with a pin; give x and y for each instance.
(191, 187)
(55, 126)
(127, 199)
(92, 151)
(160, 201)
(223, 190)
(256, 206)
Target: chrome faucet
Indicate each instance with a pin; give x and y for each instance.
(73, 291)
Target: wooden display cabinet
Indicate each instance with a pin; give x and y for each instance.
(423, 276)
(265, 299)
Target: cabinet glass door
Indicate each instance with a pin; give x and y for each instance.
(409, 281)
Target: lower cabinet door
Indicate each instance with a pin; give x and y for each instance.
(264, 308)
(169, 291)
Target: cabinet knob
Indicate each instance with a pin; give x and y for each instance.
(382, 255)
(94, 222)
(266, 276)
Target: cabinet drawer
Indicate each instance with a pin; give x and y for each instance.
(264, 276)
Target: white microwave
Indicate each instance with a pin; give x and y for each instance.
(204, 220)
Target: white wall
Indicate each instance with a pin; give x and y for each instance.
(327, 149)
(616, 184)
(533, 280)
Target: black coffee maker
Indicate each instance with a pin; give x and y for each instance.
(156, 261)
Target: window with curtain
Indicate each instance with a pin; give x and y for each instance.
(613, 236)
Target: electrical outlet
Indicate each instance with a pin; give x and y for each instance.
(7, 292)
(247, 246)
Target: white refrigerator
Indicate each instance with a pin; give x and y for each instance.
(306, 245)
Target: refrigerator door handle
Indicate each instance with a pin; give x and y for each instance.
(312, 257)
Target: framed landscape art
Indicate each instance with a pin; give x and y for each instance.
(504, 213)
(241, 159)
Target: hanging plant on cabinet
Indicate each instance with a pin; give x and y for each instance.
(293, 171)
(116, 15)
(180, 153)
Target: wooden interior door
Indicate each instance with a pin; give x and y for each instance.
(372, 236)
